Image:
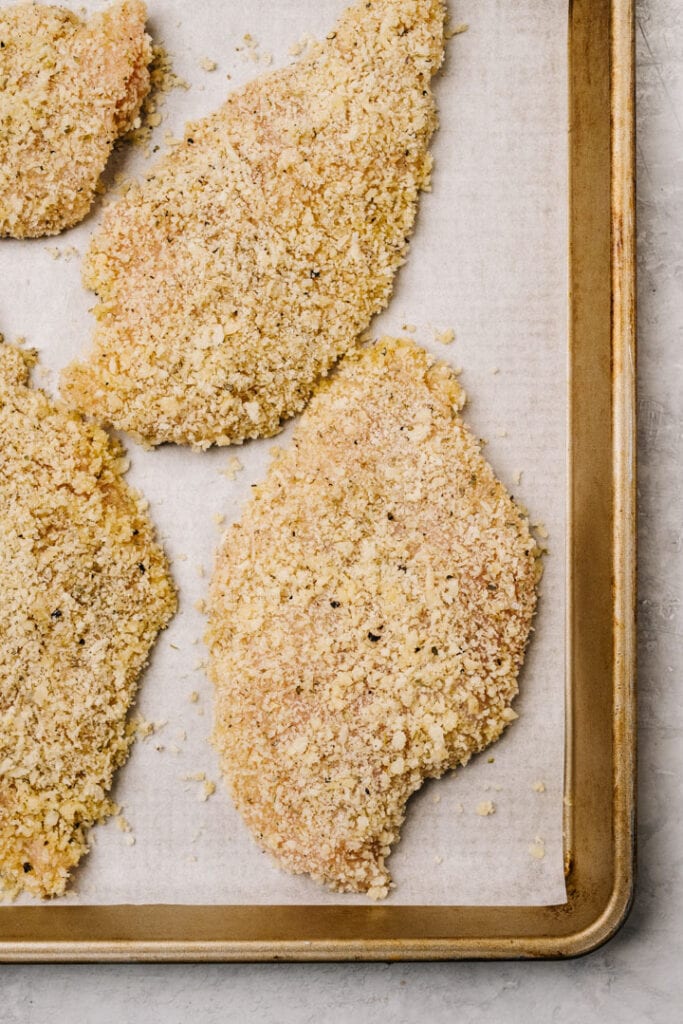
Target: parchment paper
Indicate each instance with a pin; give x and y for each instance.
(488, 259)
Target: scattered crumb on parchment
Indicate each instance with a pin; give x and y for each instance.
(251, 50)
(208, 787)
(194, 697)
(65, 252)
(303, 46)
(144, 728)
(446, 337)
(455, 30)
(163, 79)
(539, 787)
(537, 848)
(233, 467)
(485, 808)
(206, 64)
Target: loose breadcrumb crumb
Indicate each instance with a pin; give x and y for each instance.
(291, 209)
(206, 64)
(233, 467)
(85, 590)
(143, 728)
(194, 697)
(162, 80)
(68, 90)
(485, 808)
(537, 848)
(369, 616)
(539, 787)
(445, 337)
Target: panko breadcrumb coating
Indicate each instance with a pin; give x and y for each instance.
(68, 90)
(85, 590)
(255, 253)
(369, 617)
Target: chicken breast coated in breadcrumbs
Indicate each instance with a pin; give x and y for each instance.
(85, 590)
(369, 617)
(68, 90)
(253, 255)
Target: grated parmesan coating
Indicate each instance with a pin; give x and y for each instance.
(369, 617)
(85, 590)
(253, 255)
(68, 90)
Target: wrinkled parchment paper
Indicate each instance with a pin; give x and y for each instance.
(488, 260)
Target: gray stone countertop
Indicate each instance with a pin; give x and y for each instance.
(636, 978)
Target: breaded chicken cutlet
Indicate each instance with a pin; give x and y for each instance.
(369, 617)
(68, 90)
(85, 590)
(254, 254)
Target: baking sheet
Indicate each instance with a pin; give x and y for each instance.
(489, 260)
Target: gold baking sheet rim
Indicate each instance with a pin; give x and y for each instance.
(600, 696)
